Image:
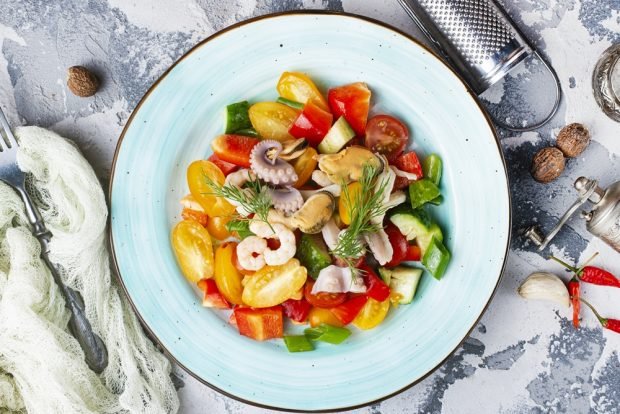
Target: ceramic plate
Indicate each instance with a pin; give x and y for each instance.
(183, 111)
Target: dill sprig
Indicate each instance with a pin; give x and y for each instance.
(364, 206)
(254, 198)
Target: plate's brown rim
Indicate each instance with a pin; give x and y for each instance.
(309, 12)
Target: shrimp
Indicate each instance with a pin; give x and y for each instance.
(238, 179)
(282, 254)
(250, 252)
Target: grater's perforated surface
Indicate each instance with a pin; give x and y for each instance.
(475, 28)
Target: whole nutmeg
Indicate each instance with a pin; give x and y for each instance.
(573, 139)
(547, 165)
(82, 82)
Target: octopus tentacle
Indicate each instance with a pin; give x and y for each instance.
(271, 169)
(286, 200)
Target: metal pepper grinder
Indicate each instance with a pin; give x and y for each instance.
(603, 220)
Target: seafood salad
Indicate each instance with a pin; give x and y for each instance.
(310, 212)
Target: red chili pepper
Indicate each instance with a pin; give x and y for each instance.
(607, 323)
(591, 274)
(573, 290)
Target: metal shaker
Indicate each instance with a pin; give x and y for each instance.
(602, 221)
(479, 40)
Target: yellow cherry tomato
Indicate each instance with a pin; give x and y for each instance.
(272, 120)
(227, 278)
(193, 249)
(344, 209)
(299, 87)
(217, 227)
(197, 174)
(304, 166)
(272, 285)
(318, 316)
(372, 314)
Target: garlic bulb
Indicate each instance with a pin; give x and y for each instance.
(545, 286)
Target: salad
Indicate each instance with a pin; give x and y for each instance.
(312, 212)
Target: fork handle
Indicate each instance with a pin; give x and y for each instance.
(95, 352)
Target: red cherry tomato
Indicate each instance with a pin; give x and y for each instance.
(351, 101)
(348, 310)
(375, 287)
(225, 166)
(234, 149)
(312, 124)
(400, 183)
(323, 300)
(414, 253)
(410, 163)
(399, 245)
(296, 310)
(386, 135)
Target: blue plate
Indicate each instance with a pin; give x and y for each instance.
(174, 124)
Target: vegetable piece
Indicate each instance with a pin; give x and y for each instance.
(323, 299)
(348, 310)
(298, 87)
(432, 166)
(344, 209)
(422, 192)
(351, 101)
(227, 278)
(403, 281)
(240, 228)
(573, 292)
(327, 333)
(296, 310)
(607, 323)
(376, 288)
(544, 286)
(248, 132)
(235, 149)
(292, 104)
(372, 314)
(217, 227)
(298, 343)
(436, 258)
(410, 163)
(237, 117)
(225, 166)
(272, 120)
(436, 201)
(416, 225)
(320, 316)
(260, 324)
(304, 165)
(198, 216)
(591, 274)
(272, 285)
(199, 175)
(337, 137)
(386, 135)
(313, 254)
(192, 247)
(212, 297)
(400, 247)
(313, 123)
(414, 253)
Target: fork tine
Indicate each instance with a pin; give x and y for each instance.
(12, 142)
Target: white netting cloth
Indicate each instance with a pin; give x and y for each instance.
(42, 368)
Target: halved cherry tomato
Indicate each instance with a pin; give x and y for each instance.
(386, 135)
(323, 299)
(348, 310)
(272, 285)
(272, 120)
(299, 87)
(227, 278)
(400, 183)
(235, 149)
(351, 101)
(410, 163)
(212, 296)
(296, 310)
(344, 209)
(225, 166)
(304, 165)
(260, 324)
(203, 193)
(414, 253)
(199, 216)
(399, 245)
(313, 123)
(375, 287)
(372, 314)
(318, 316)
(217, 227)
(193, 249)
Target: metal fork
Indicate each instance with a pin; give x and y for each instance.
(95, 352)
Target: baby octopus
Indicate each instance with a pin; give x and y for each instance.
(265, 163)
(253, 251)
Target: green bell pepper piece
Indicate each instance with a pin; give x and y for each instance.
(238, 117)
(431, 166)
(298, 343)
(288, 102)
(422, 192)
(436, 258)
(436, 201)
(328, 333)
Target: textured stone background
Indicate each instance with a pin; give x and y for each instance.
(523, 356)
